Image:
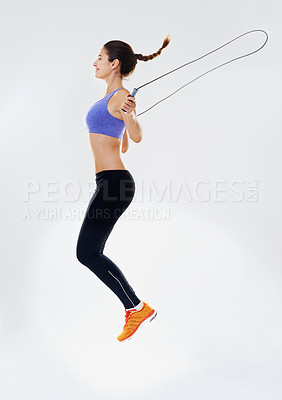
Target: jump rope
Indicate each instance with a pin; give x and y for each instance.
(135, 90)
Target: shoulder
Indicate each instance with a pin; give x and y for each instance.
(120, 96)
(122, 93)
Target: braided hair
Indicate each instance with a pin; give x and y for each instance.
(151, 56)
(116, 49)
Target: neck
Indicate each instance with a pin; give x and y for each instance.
(113, 83)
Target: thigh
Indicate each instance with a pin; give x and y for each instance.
(112, 196)
(98, 223)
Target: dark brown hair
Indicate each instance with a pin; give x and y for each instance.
(116, 49)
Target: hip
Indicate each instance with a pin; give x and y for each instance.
(115, 185)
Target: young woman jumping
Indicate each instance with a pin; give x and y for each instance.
(109, 127)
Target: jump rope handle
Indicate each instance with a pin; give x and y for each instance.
(134, 91)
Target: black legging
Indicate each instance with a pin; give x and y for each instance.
(114, 192)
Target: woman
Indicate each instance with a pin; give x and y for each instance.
(109, 126)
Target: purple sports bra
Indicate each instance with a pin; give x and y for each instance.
(99, 120)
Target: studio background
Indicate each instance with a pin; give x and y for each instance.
(208, 257)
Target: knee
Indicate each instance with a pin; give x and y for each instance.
(81, 251)
(85, 255)
(82, 254)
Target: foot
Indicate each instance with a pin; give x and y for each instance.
(134, 320)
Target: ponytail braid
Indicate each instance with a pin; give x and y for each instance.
(151, 56)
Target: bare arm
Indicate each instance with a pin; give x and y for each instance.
(125, 145)
(130, 118)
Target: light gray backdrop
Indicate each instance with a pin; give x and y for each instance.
(201, 241)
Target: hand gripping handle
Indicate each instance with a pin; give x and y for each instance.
(134, 91)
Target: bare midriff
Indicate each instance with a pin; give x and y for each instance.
(106, 152)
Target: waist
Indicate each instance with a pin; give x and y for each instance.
(115, 181)
(115, 173)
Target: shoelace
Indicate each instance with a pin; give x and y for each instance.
(128, 314)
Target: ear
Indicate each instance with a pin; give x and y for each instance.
(115, 63)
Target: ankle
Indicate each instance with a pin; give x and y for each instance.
(137, 307)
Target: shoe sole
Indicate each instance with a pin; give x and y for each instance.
(149, 319)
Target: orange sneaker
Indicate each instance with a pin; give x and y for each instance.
(136, 319)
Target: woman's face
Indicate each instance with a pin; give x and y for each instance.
(102, 65)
